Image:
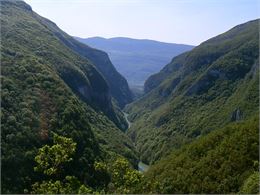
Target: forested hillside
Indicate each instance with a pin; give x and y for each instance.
(199, 91)
(224, 161)
(48, 88)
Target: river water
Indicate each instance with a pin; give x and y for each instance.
(142, 167)
(126, 118)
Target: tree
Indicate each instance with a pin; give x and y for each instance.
(251, 184)
(50, 161)
(70, 185)
(123, 177)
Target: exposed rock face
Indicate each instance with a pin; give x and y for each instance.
(237, 115)
(117, 84)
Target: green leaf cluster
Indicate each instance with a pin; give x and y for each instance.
(51, 158)
(50, 161)
(251, 184)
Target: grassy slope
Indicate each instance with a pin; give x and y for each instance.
(202, 90)
(46, 87)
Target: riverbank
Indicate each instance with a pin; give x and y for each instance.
(142, 167)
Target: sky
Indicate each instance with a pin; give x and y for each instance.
(174, 21)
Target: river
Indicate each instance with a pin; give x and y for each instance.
(142, 167)
(126, 118)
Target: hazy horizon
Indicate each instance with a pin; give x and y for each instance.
(172, 21)
(141, 39)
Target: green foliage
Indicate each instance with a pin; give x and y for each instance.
(115, 177)
(123, 178)
(251, 184)
(85, 190)
(47, 187)
(102, 175)
(30, 112)
(50, 159)
(118, 176)
(71, 185)
(220, 162)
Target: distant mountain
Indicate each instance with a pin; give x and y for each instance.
(137, 59)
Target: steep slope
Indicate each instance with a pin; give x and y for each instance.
(206, 53)
(48, 87)
(155, 80)
(136, 59)
(219, 163)
(117, 83)
(199, 91)
(98, 94)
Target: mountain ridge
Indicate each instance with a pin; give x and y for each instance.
(130, 38)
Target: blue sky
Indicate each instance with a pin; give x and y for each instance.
(176, 21)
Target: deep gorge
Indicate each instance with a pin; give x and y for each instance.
(70, 123)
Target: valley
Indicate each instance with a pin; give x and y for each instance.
(136, 59)
(126, 116)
